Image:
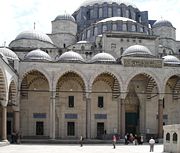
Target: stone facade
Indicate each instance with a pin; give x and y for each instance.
(115, 82)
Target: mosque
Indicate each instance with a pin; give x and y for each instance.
(106, 69)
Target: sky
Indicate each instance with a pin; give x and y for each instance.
(17, 16)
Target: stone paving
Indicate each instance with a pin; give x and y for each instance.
(88, 148)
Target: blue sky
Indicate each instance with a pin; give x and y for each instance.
(19, 15)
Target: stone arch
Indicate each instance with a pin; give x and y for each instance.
(75, 71)
(35, 68)
(12, 93)
(153, 80)
(27, 82)
(3, 88)
(110, 79)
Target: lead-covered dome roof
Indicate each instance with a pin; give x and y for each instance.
(9, 54)
(170, 59)
(71, 56)
(92, 2)
(65, 17)
(160, 23)
(37, 55)
(103, 57)
(116, 19)
(33, 34)
(137, 51)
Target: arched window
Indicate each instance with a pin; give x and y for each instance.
(127, 13)
(91, 14)
(88, 34)
(141, 29)
(124, 27)
(118, 12)
(83, 36)
(121, 50)
(109, 12)
(133, 28)
(104, 28)
(95, 31)
(114, 27)
(100, 13)
(174, 137)
(167, 137)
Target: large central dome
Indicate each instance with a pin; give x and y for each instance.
(92, 2)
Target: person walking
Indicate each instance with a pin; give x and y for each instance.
(114, 141)
(151, 143)
(81, 141)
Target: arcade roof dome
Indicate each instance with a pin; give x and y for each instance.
(137, 51)
(33, 34)
(103, 57)
(92, 2)
(65, 17)
(169, 59)
(71, 56)
(37, 55)
(9, 54)
(160, 23)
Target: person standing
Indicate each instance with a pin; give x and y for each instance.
(81, 141)
(114, 141)
(151, 143)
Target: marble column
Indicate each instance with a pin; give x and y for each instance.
(119, 114)
(52, 116)
(160, 118)
(16, 121)
(4, 123)
(88, 117)
(122, 118)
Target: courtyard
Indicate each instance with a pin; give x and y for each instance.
(75, 148)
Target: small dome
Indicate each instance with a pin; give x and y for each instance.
(71, 56)
(169, 59)
(103, 57)
(37, 55)
(8, 53)
(116, 19)
(160, 23)
(137, 51)
(65, 17)
(32, 34)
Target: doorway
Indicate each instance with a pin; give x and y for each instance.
(100, 129)
(39, 128)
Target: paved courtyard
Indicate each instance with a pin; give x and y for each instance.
(32, 148)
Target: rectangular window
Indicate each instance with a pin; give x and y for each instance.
(71, 101)
(100, 102)
(70, 128)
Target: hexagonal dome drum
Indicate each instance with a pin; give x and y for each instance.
(92, 2)
(169, 59)
(65, 17)
(33, 34)
(71, 56)
(37, 55)
(160, 23)
(103, 57)
(137, 51)
(9, 53)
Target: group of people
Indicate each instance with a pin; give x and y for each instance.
(135, 139)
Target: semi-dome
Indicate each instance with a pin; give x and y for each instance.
(9, 54)
(160, 23)
(103, 57)
(37, 55)
(137, 51)
(92, 2)
(170, 59)
(4, 57)
(116, 19)
(71, 56)
(65, 17)
(33, 34)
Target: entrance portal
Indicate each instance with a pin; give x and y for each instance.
(100, 129)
